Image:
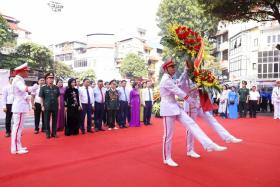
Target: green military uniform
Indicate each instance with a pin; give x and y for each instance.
(243, 94)
(112, 105)
(50, 95)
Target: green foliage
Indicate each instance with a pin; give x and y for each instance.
(62, 71)
(133, 67)
(189, 13)
(186, 12)
(6, 34)
(240, 10)
(37, 56)
(90, 74)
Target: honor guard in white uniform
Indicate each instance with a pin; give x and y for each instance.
(275, 97)
(170, 110)
(194, 109)
(21, 105)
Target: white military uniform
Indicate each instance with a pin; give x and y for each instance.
(276, 101)
(195, 110)
(171, 111)
(21, 105)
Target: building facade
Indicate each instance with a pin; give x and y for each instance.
(247, 51)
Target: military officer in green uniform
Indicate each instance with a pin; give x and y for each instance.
(49, 101)
(243, 99)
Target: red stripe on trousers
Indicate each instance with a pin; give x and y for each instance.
(18, 129)
(164, 151)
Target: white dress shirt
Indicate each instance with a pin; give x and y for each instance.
(98, 97)
(254, 95)
(124, 94)
(84, 97)
(147, 94)
(8, 95)
(36, 94)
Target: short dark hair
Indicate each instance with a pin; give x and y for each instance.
(134, 84)
(106, 83)
(85, 79)
(112, 81)
(123, 81)
(100, 81)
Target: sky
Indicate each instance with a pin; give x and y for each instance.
(81, 17)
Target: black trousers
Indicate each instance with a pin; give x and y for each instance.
(37, 115)
(111, 118)
(123, 113)
(99, 114)
(48, 114)
(87, 110)
(8, 119)
(253, 106)
(72, 123)
(147, 112)
(242, 108)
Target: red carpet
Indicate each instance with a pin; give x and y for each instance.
(132, 157)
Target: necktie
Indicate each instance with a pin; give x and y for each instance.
(88, 96)
(124, 94)
(150, 98)
(102, 99)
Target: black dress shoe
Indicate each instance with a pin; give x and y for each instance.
(8, 135)
(90, 131)
(101, 129)
(83, 131)
(48, 136)
(54, 136)
(36, 132)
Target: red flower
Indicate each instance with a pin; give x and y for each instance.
(196, 73)
(191, 41)
(197, 47)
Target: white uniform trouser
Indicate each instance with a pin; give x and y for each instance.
(188, 123)
(276, 109)
(16, 132)
(208, 117)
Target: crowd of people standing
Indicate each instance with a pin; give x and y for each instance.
(233, 103)
(87, 107)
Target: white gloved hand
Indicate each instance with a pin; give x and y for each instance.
(27, 98)
(35, 87)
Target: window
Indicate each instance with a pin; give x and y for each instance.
(268, 39)
(254, 66)
(80, 63)
(273, 38)
(225, 55)
(256, 42)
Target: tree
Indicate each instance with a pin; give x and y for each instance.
(133, 67)
(235, 10)
(186, 12)
(62, 71)
(189, 13)
(37, 56)
(90, 74)
(6, 33)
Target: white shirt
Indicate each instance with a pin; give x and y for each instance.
(98, 97)
(36, 94)
(275, 97)
(147, 94)
(254, 95)
(84, 97)
(21, 102)
(168, 90)
(8, 95)
(124, 94)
